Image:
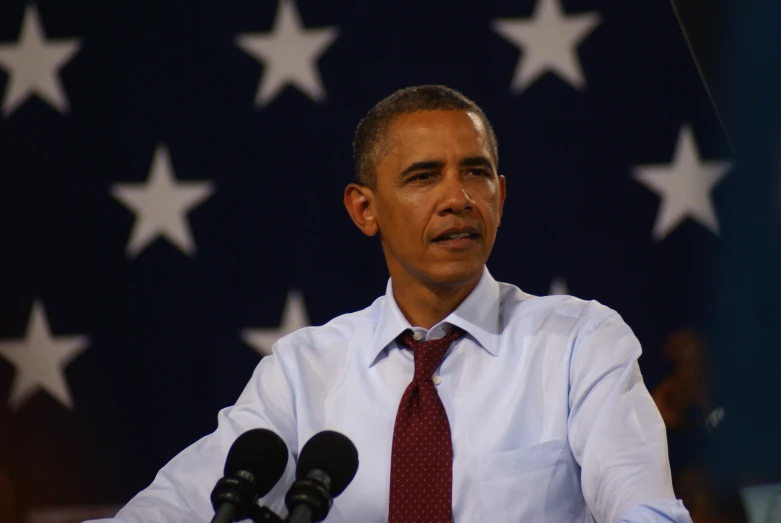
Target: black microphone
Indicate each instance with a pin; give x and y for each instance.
(327, 464)
(256, 461)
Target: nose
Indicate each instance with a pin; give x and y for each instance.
(455, 197)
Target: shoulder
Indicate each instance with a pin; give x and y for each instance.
(330, 337)
(567, 321)
(563, 314)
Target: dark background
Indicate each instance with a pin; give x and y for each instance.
(165, 348)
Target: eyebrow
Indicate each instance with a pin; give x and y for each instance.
(426, 165)
(477, 161)
(423, 166)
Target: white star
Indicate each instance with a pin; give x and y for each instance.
(160, 205)
(549, 41)
(33, 65)
(294, 317)
(684, 186)
(289, 54)
(558, 287)
(40, 360)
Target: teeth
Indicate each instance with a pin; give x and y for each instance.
(456, 236)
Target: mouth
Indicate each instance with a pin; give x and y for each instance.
(457, 237)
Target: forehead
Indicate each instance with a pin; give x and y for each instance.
(438, 133)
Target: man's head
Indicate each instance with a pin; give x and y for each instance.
(370, 141)
(428, 185)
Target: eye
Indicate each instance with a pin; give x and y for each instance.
(478, 172)
(421, 177)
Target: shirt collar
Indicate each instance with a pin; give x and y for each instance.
(478, 315)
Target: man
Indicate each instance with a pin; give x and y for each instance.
(467, 399)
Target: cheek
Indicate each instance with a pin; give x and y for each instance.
(487, 196)
(405, 220)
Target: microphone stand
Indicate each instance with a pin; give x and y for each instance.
(260, 514)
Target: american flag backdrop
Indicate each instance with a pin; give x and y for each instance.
(171, 178)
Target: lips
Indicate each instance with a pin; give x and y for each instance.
(457, 233)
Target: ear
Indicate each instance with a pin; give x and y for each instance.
(359, 202)
(502, 196)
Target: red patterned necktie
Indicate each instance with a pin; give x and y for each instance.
(422, 456)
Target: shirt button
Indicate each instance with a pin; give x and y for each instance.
(437, 380)
(417, 336)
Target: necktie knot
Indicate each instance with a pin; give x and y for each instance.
(428, 354)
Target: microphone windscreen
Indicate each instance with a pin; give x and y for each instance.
(260, 452)
(334, 454)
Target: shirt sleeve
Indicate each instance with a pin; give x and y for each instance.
(616, 432)
(181, 490)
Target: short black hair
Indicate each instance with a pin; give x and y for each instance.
(371, 133)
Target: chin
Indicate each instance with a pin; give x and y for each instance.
(456, 274)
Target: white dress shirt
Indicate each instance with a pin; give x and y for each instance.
(550, 419)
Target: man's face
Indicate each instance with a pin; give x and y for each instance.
(438, 199)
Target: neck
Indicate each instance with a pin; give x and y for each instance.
(425, 304)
